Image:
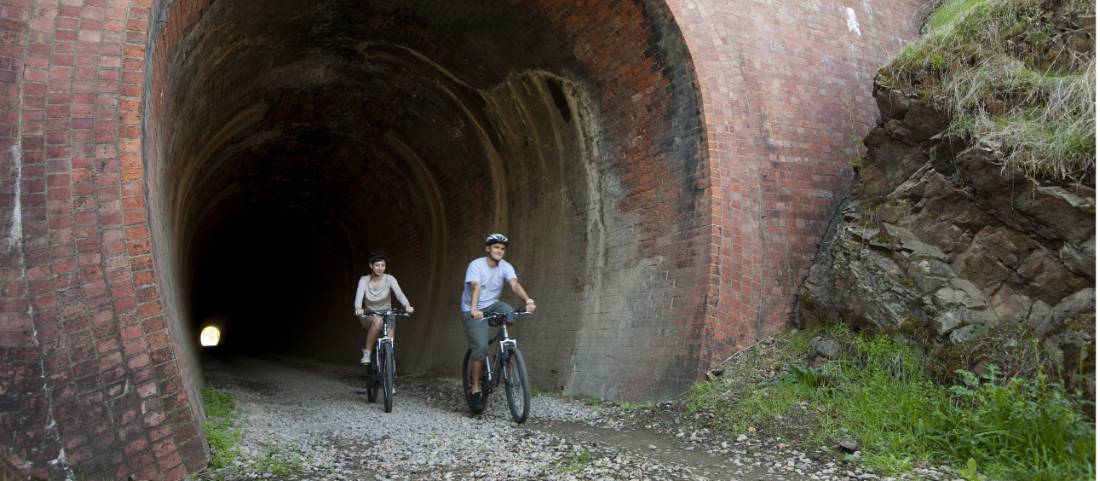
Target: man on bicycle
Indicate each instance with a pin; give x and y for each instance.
(485, 278)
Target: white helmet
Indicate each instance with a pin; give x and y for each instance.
(496, 239)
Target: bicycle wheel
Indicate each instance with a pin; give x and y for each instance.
(372, 383)
(387, 376)
(515, 385)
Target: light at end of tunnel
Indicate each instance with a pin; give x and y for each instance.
(210, 336)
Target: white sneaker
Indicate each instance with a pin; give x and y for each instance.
(366, 357)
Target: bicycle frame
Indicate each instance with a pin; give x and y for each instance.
(389, 319)
(501, 357)
(384, 338)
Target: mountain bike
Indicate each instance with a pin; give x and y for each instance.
(382, 366)
(506, 362)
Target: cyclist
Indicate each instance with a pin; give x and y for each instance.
(485, 278)
(374, 293)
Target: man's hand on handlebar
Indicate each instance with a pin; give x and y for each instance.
(477, 314)
(409, 309)
(530, 307)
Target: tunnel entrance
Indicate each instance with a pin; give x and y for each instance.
(285, 142)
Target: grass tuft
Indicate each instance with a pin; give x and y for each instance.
(279, 461)
(1006, 73)
(222, 434)
(577, 463)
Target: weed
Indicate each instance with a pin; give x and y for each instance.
(879, 390)
(632, 406)
(278, 461)
(220, 427)
(575, 464)
(977, 61)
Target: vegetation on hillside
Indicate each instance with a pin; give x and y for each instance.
(881, 393)
(1015, 75)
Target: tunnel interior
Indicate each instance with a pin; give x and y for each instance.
(284, 142)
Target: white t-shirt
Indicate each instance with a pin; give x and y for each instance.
(491, 279)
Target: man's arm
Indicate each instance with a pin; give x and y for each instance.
(518, 289)
(475, 292)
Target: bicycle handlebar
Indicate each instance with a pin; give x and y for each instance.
(495, 318)
(387, 312)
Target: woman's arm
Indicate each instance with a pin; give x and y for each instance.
(396, 288)
(360, 292)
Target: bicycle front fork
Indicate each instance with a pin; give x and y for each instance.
(378, 351)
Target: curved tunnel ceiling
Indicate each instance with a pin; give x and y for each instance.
(286, 142)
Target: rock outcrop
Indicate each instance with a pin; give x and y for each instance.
(943, 237)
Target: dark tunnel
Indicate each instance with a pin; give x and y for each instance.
(287, 140)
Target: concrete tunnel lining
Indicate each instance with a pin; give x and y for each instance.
(274, 135)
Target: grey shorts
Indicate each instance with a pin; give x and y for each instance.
(477, 330)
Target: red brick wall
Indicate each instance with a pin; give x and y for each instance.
(786, 86)
(89, 364)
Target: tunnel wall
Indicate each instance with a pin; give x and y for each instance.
(91, 383)
(786, 89)
(96, 379)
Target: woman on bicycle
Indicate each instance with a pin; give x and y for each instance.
(373, 294)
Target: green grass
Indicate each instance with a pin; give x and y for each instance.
(220, 427)
(950, 12)
(576, 463)
(879, 392)
(634, 406)
(279, 461)
(591, 401)
(983, 62)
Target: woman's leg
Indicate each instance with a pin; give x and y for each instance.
(373, 324)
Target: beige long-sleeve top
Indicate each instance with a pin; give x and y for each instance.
(378, 298)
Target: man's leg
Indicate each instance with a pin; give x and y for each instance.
(494, 308)
(503, 308)
(477, 336)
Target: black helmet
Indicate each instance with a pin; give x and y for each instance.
(376, 256)
(496, 239)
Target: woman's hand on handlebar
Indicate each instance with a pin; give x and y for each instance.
(409, 309)
(359, 312)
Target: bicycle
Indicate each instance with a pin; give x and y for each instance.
(508, 362)
(380, 371)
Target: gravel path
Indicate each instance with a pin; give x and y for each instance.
(315, 410)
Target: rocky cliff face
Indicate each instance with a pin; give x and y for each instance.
(941, 237)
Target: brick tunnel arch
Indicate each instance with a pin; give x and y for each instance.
(162, 158)
(282, 144)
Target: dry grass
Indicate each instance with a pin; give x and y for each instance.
(1005, 72)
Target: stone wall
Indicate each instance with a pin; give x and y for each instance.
(943, 241)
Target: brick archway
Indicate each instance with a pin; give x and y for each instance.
(665, 169)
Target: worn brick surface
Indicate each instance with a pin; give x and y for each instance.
(76, 282)
(724, 129)
(786, 87)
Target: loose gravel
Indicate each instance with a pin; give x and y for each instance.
(317, 416)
